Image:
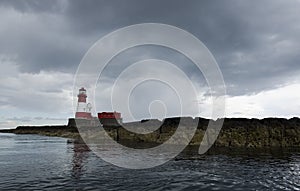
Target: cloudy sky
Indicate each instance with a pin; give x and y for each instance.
(255, 43)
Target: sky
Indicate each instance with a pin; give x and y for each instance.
(255, 43)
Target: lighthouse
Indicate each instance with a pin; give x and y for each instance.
(83, 110)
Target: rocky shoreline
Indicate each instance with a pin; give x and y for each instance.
(235, 133)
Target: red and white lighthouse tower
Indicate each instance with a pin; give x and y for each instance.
(83, 109)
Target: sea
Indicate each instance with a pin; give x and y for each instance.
(33, 162)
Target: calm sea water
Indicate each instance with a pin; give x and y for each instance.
(49, 163)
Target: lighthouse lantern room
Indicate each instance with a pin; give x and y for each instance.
(83, 110)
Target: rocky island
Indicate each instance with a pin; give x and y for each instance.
(235, 133)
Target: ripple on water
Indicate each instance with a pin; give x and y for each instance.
(37, 162)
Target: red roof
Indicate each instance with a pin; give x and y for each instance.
(109, 115)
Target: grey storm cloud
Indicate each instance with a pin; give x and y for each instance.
(256, 43)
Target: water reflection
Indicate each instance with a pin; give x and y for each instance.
(80, 155)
